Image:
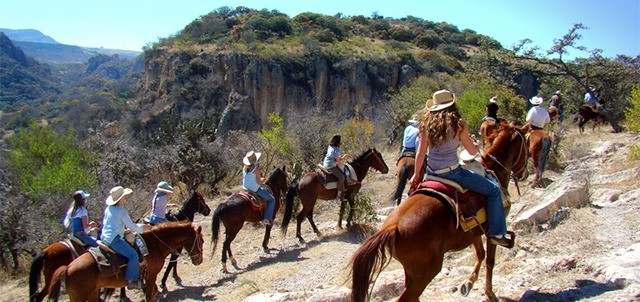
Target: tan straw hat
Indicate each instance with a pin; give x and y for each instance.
(116, 194)
(251, 158)
(441, 99)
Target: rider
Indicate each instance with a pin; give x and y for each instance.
(556, 101)
(162, 194)
(591, 99)
(410, 137)
(116, 218)
(491, 109)
(78, 218)
(537, 116)
(331, 161)
(441, 132)
(252, 180)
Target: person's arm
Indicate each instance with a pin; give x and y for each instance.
(421, 152)
(258, 174)
(467, 142)
(126, 219)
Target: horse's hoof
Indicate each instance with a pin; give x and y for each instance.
(233, 261)
(178, 280)
(465, 288)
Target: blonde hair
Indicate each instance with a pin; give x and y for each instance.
(442, 124)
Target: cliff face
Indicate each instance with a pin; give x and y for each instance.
(241, 90)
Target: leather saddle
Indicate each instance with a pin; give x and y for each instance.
(469, 207)
(257, 203)
(330, 181)
(110, 262)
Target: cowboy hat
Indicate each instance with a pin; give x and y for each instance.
(164, 187)
(82, 194)
(493, 99)
(466, 157)
(116, 194)
(557, 92)
(536, 100)
(415, 118)
(441, 99)
(251, 158)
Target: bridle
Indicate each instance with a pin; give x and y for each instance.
(376, 158)
(195, 246)
(523, 150)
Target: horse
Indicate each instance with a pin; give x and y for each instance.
(310, 189)
(84, 279)
(404, 171)
(487, 128)
(237, 209)
(587, 113)
(59, 253)
(539, 146)
(423, 228)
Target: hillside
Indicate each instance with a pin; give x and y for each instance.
(45, 49)
(586, 250)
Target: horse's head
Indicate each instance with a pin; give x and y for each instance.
(202, 206)
(277, 180)
(194, 246)
(507, 154)
(376, 161)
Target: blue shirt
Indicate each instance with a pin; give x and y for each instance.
(330, 159)
(410, 136)
(159, 204)
(115, 220)
(250, 180)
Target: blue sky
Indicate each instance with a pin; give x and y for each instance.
(614, 25)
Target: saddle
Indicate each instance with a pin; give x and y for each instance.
(330, 181)
(257, 203)
(469, 207)
(74, 245)
(110, 262)
(411, 154)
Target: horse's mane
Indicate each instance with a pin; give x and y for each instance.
(495, 133)
(170, 225)
(363, 155)
(500, 138)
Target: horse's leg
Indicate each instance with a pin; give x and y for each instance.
(265, 241)
(123, 295)
(151, 289)
(299, 219)
(491, 260)
(342, 209)
(173, 265)
(465, 288)
(351, 210)
(418, 276)
(226, 250)
(313, 224)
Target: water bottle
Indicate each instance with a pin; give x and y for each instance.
(141, 246)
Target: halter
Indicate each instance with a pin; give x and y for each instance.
(377, 159)
(194, 246)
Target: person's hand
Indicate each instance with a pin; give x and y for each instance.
(147, 227)
(93, 224)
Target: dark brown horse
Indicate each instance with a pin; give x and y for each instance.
(422, 229)
(84, 279)
(404, 171)
(59, 254)
(311, 189)
(236, 210)
(539, 146)
(587, 113)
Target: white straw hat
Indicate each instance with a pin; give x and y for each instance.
(116, 194)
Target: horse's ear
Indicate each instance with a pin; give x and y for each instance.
(199, 229)
(284, 168)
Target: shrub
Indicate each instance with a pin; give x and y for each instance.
(363, 210)
(632, 113)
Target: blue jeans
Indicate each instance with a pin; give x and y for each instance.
(124, 249)
(85, 238)
(157, 219)
(486, 186)
(271, 203)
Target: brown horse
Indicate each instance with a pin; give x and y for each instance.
(487, 129)
(84, 279)
(236, 210)
(422, 229)
(404, 171)
(59, 254)
(311, 189)
(539, 146)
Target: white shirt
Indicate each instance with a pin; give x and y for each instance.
(538, 116)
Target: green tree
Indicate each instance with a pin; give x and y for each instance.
(46, 163)
(277, 142)
(632, 113)
(409, 99)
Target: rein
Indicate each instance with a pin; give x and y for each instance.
(193, 246)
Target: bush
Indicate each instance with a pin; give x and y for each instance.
(364, 211)
(632, 113)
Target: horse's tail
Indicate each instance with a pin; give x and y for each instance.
(288, 210)
(368, 261)
(215, 226)
(402, 182)
(544, 156)
(34, 275)
(54, 288)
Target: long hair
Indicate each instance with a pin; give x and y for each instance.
(442, 124)
(336, 140)
(78, 202)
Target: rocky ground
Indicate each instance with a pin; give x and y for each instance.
(578, 239)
